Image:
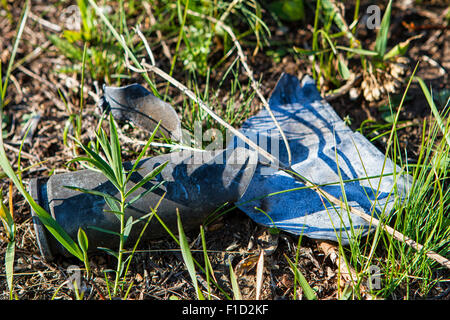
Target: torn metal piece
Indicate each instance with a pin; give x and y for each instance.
(325, 151)
(195, 184)
(136, 104)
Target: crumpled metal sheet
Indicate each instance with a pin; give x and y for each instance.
(322, 146)
(194, 189)
(136, 104)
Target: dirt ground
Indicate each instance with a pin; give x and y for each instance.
(158, 270)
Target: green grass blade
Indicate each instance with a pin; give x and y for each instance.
(208, 267)
(83, 240)
(7, 219)
(47, 220)
(9, 266)
(234, 284)
(330, 9)
(93, 192)
(144, 150)
(382, 36)
(143, 194)
(187, 257)
(127, 229)
(122, 42)
(4, 86)
(178, 243)
(434, 110)
(109, 251)
(116, 152)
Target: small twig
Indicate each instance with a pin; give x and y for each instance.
(37, 77)
(45, 23)
(155, 144)
(23, 153)
(165, 48)
(147, 47)
(32, 55)
(18, 87)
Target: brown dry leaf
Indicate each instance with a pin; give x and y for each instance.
(246, 265)
(215, 226)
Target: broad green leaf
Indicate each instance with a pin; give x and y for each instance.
(83, 240)
(113, 204)
(400, 49)
(109, 251)
(382, 36)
